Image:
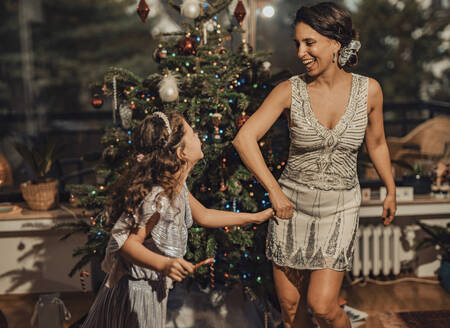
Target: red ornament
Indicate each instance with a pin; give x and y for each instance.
(143, 10)
(187, 46)
(96, 101)
(242, 119)
(160, 54)
(132, 106)
(240, 12)
(203, 188)
(223, 186)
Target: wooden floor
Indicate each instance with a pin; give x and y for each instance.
(373, 299)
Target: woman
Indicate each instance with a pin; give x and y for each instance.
(330, 113)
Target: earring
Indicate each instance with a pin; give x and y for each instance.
(334, 57)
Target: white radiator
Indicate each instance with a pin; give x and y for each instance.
(377, 250)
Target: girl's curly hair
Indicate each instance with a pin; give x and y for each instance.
(154, 163)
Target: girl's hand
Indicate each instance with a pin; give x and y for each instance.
(177, 268)
(283, 207)
(389, 208)
(262, 216)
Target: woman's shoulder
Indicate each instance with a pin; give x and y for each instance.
(371, 80)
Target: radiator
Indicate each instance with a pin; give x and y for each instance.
(377, 250)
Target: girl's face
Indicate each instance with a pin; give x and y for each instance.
(314, 50)
(192, 151)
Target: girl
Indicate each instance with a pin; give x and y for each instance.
(331, 111)
(148, 241)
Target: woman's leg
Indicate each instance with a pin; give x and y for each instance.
(323, 295)
(291, 286)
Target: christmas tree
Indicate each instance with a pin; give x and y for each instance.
(216, 89)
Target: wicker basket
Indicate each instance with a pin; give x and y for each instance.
(41, 196)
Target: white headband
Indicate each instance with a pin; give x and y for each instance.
(163, 116)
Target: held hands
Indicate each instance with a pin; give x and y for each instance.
(284, 209)
(262, 216)
(389, 208)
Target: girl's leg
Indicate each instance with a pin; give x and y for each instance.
(323, 295)
(291, 286)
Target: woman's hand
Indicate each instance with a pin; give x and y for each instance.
(177, 268)
(389, 209)
(283, 207)
(262, 216)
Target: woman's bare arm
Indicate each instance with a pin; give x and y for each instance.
(378, 149)
(246, 144)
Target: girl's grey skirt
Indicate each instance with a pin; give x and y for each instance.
(131, 303)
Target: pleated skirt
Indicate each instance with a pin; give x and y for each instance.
(322, 232)
(131, 303)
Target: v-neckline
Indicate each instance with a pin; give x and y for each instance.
(344, 114)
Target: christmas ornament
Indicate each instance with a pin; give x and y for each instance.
(190, 9)
(168, 88)
(114, 98)
(266, 65)
(132, 105)
(217, 136)
(223, 186)
(216, 118)
(159, 54)
(73, 201)
(240, 12)
(187, 46)
(126, 115)
(143, 10)
(83, 275)
(210, 25)
(242, 119)
(96, 101)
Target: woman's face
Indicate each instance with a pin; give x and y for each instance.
(314, 50)
(192, 151)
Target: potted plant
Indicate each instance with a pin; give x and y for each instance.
(420, 180)
(40, 193)
(439, 237)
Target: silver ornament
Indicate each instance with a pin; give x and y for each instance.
(126, 115)
(266, 65)
(190, 9)
(210, 25)
(168, 88)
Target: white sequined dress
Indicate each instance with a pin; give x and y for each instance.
(320, 179)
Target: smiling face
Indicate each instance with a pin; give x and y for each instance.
(315, 50)
(192, 150)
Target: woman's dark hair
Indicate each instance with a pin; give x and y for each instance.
(332, 21)
(154, 163)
